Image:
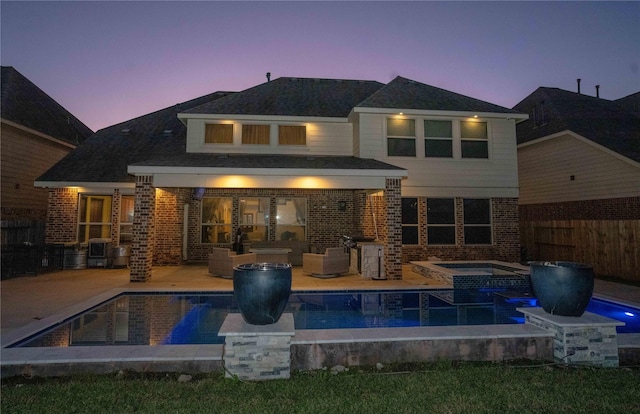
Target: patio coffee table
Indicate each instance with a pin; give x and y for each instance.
(271, 254)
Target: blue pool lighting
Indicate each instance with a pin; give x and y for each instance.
(171, 318)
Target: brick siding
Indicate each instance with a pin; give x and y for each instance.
(506, 235)
(325, 222)
(626, 208)
(169, 221)
(62, 215)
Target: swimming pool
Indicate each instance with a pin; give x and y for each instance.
(195, 317)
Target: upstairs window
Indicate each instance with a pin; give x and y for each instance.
(441, 221)
(409, 220)
(401, 137)
(256, 134)
(292, 135)
(438, 139)
(474, 139)
(218, 134)
(477, 221)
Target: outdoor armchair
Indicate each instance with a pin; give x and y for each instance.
(334, 262)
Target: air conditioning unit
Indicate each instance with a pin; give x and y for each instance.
(99, 253)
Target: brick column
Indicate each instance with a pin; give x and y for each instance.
(115, 217)
(393, 249)
(143, 230)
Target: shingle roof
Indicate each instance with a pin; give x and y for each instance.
(631, 102)
(261, 161)
(306, 97)
(142, 141)
(612, 124)
(402, 93)
(25, 104)
(104, 157)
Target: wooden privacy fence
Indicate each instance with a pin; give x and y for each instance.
(612, 247)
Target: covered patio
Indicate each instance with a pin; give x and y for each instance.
(175, 222)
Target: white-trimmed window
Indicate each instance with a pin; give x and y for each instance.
(401, 137)
(292, 135)
(256, 134)
(218, 134)
(291, 219)
(441, 221)
(254, 218)
(94, 217)
(474, 139)
(410, 221)
(216, 220)
(126, 219)
(477, 221)
(438, 139)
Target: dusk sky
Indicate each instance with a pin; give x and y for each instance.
(107, 62)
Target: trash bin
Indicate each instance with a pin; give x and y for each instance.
(261, 291)
(121, 255)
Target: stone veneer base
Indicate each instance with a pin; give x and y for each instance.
(586, 340)
(475, 274)
(257, 352)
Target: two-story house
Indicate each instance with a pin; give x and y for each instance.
(423, 170)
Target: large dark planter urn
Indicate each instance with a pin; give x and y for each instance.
(562, 288)
(262, 291)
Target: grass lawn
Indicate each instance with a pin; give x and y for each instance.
(446, 387)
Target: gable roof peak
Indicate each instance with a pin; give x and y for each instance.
(404, 93)
(292, 96)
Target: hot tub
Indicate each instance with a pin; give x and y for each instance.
(475, 274)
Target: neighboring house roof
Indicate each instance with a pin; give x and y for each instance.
(612, 124)
(631, 102)
(25, 104)
(402, 93)
(304, 97)
(104, 157)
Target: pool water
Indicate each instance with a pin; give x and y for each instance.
(195, 318)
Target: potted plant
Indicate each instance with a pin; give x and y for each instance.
(562, 288)
(262, 291)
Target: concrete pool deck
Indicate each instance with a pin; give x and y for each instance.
(28, 300)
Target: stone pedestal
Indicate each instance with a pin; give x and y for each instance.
(257, 352)
(586, 340)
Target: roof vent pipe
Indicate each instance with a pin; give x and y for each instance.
(597, 91)
(578, 84)
(268, 76)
